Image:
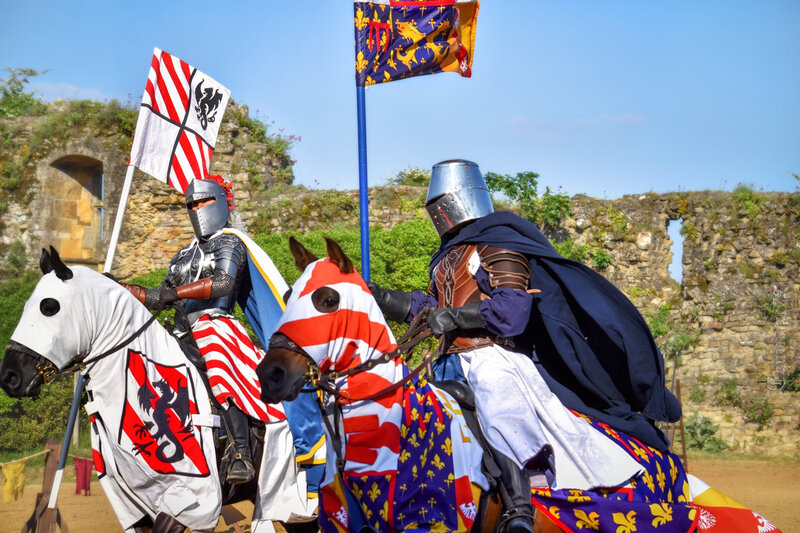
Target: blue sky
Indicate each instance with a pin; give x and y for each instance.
(603, 98)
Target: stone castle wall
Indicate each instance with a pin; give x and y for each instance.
(735, 318)
(737, 308)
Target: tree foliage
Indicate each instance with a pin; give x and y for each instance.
(412, 176)
(546, 210)
(14, 100)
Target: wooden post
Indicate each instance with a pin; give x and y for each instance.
(43, 519)
(684, 456)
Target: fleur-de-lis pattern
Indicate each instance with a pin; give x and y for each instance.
(425, 493)
(655, 501)
(395, 42)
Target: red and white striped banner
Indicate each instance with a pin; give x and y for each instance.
(178, 122)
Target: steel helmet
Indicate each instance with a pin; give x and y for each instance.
(211, 218)
(457, 194)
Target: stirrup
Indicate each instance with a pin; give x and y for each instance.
(235, 477)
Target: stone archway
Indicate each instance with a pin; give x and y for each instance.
(73, 207)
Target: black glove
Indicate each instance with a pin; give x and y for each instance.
(395, 305)
(166, 296)
(443, 319)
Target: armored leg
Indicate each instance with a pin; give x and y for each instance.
(241, 470)
(519, 517)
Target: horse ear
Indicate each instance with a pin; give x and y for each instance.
(44, 262)
(338, 256)
(62, 271)
(302, 257)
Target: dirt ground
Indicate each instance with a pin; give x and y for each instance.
(771, 488)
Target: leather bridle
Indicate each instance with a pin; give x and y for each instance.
(417, 332)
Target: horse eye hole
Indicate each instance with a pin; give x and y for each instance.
(49, 306)
(325, 300)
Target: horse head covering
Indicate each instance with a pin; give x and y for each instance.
(332, 317)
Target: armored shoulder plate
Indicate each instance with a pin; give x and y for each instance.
(506, 268)
(221, 258)
(228, 251)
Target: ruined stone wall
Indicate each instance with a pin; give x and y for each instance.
(733, 324)
(738, 307)
(71, 185)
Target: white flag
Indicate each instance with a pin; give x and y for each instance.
(178, 122)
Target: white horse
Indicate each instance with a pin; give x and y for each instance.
(151, 415)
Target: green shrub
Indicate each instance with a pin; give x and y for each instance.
(728, 393)
(678, 342)
(697, 395)
(757, 411)
(572, 250)
(745, 198)
(701, 434)
(791, 379)
(601, 259)
(10, 175)
(14, 101)
(772, 308)
(658, 321)
(547, 210)
(413, 176)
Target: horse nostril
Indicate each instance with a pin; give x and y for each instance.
(10, 380)
(275, 375)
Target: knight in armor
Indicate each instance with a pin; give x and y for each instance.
(203, 281)
(530, 357)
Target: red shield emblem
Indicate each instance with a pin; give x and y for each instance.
(157, 418)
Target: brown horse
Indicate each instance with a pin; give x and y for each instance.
(403, 447)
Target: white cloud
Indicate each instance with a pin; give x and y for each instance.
(51, 91)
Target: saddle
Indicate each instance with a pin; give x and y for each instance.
(498, 505)
(466, 400)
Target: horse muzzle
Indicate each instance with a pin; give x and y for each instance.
(283, 371)
(23, 371)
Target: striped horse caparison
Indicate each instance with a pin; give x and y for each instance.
(407, 455)
(400, 454)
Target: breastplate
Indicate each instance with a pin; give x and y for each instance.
(198, 261)
(456, 286)
(454, 282)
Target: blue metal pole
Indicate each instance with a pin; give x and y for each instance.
(363, 188)
(62, 460)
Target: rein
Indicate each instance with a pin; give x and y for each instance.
(417, 332)
(48, 371)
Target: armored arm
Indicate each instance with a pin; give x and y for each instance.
(504, 276)
(507, 311)
(395, 305)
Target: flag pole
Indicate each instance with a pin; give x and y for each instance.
(62, 460)
(363, 188)
(123, 201)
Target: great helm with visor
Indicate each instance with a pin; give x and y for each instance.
(457, 194)
(208, 219)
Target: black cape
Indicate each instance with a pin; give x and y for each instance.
(592, 346)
